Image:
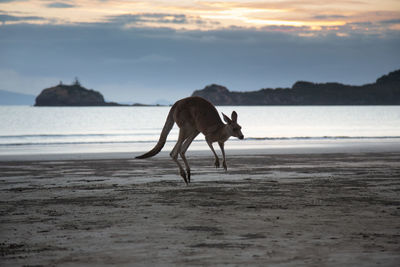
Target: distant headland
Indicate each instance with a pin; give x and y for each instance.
(385, 91)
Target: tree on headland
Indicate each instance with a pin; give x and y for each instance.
(77, 83)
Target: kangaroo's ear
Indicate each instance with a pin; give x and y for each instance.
(226, 118)
(234, 116)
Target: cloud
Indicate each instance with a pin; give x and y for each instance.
(390, 21)
(60, 5)
(379, 29)
(5, 18)
(329, 17)
(149, 17)
(303, 16)
(156, 19)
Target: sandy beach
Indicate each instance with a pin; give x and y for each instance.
(332, 209)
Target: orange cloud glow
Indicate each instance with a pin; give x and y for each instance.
(316, 15)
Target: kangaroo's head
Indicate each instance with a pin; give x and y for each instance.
(233, 127)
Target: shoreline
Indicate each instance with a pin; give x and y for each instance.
(200, 148)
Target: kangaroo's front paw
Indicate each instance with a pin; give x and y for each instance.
(216, 163)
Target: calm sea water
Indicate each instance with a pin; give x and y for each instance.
(30, 130)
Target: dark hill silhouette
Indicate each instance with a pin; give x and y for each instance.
(71, 95)
(385, 91)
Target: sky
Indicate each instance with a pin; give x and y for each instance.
(161, 51)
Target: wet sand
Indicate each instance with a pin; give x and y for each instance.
(278, 210)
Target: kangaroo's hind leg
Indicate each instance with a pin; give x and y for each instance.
(177, 150)
(184, 148)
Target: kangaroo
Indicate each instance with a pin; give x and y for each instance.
(195, 115)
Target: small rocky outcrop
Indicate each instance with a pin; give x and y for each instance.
(71, 95)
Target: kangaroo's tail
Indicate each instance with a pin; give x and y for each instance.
(169, 123)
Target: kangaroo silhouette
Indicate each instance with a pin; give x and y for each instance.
(195, 115)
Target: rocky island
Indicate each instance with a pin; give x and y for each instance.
(385, 91)
(71, 95)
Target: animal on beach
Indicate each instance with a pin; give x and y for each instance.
(195, 115)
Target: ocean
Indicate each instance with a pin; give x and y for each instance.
(47, 130)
